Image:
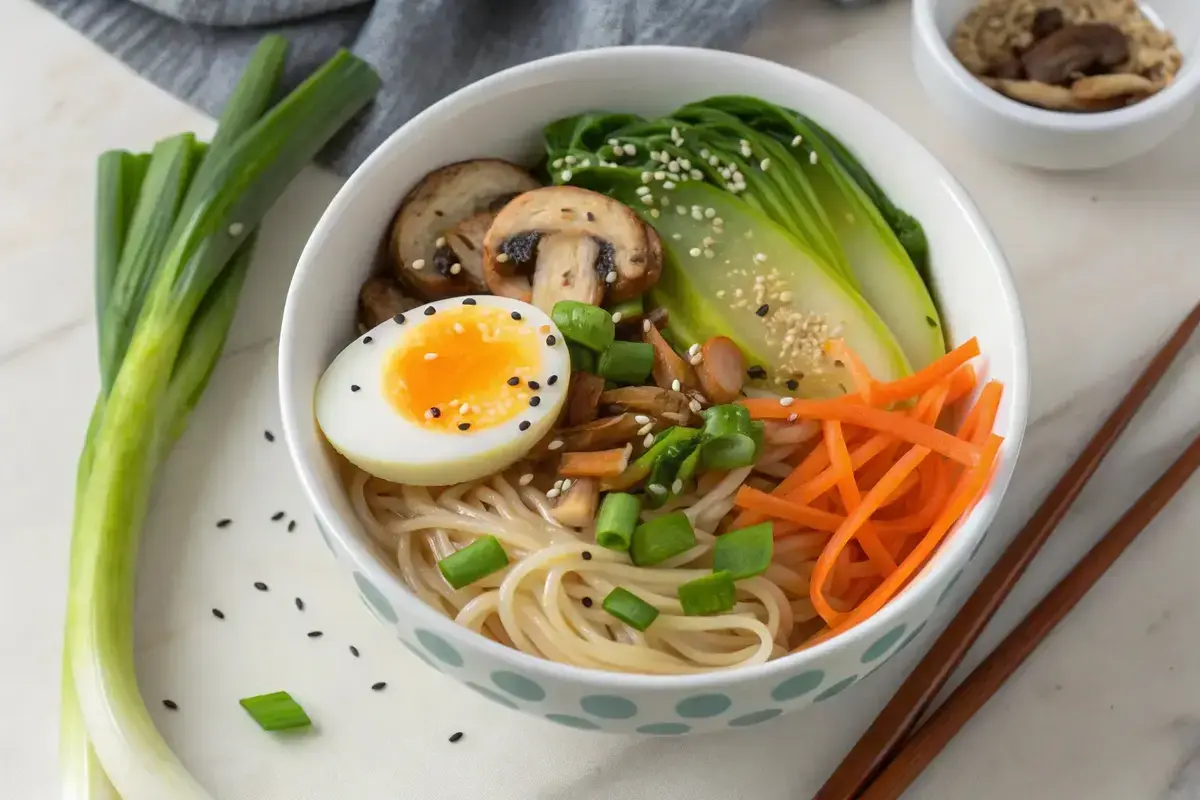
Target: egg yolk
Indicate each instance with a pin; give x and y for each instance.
(465, 369)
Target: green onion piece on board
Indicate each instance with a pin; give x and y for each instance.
(659, 539)
(616, 520)
(582, 359)
(477, 560)
(585, 324)
(276, 711)
(729, 437)
(712, 594)
(630, 609)
(744, 553)
(627, 362)
(629, 309)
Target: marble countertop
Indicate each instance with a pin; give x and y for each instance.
(1106, 709)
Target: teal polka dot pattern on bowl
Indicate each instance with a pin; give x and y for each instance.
(375, 598)
(439, 648)
(798, 685)
(912, 636)
(519, 686)
(494, 696)
(573, 722)
(755, 717)
(949, 587)
(665, 728)
(412, 649)
(883, 644)
(703, 705)
(608, 706)
(978, 547)
(836, 689)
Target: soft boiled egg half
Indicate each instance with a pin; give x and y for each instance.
(446, 393)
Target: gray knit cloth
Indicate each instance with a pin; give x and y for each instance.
(422, 49)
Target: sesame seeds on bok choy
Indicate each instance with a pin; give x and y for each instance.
(175, 236)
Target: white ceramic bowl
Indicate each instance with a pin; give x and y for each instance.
(1053, 139)
(503, 116)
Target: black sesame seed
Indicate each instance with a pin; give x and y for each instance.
(435, 412)
(262, 587)
(587, 555)
(367, 340)
(278, 515)
(270, 437)
(524, 425)
(470, 301)
(762, 310)
(398, 319)
(354, 387)
(842, 386)
(429, 312)
(550, 340)
(516, 315)
(464, 426)
(378, 687)
(535, 400)
(171, 704)
(218, 613)
(514, 380)
(591, 217)
(587, 602)
(354, 651)
(315, 634)
(931, 322)
(454, 737)
(553, 379)
(792, 384)
(838, 363)
(756, 373)
(224, 523)
(534, 385)
(299, 604)
(292, 526)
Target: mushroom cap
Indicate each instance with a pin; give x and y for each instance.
(578, 245)
(454, 204)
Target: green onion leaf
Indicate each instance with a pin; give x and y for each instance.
(744, 553)
(616, 520)
(276, 711)
(630, 609)
(712, 594)
(659, 539)
(661, 481)
(582, 359)
(627, 362)
(477, 560)
(585, 324)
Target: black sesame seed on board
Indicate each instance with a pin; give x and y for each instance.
(218, 613)
(553, 379)
(516, 315)
(792, 384)
(534, 385)
(278, 515)
(470, 301)
(454, 737)
(270, 437)
(514, 381)
(464, 426)
(587, 602)
(354, 651)
(315, 634)
(398, 319)
(299, 604)
(524, 425)
(762, 310)
(931, 322)
(378, 687)
(354, 387)
(550, 340)
(224, 523)
(435, 412)
(291, 526)
(535, 400)
(587, 555)
(262, 587)
(368, 339)
(171, 704)
(756, 373)
(429, 312)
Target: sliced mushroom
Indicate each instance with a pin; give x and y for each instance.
(567, 243)
(380, 299)
(601, 434)
(722, 370)
(645, 400)
(1075, 50)
(577, 507)
(437, 239)
(669, 366)
(583, 397)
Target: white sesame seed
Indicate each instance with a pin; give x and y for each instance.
(557, 443)
(785, 297)
(566, 175)
(570, 159)
(695, 348)
(765, 164)
(720, 294)
(642, 191)
(646, 326)
(464, 409)
(656, 488)
(654, 212)
(419, 264)
(668, 185)
(696, 174)
(567, 484)
(672, 166)
(812, 157)
(718, 222)
(430, 356)
(440, 242)
(677, 486)
(696, 359)
(664, 157)
(648, 441)
(708, 253)
(738, 177)
(641, 419)
(675, 133)
(654, 155)
(743, 143)
(694, 252)
(747, 152)
(660, 176)
(611, 277)
(697, 213)
(704, 152)
(796, 140)
(760, 257)
(680, 210)
(695, 406)
(642, 431)
(236, 229)
(558, 162)
(617, 317)
(587, 162)
(793, 417)
(553, 493)
(647, 177)
(677, 236)
(458, 328)
(647, 199)
(708, 241)
(713, 161)
(428, 415)
(676, 385)
(525, 479)
(786, 401)
(613, 142)
(455, 269)
(630, 149)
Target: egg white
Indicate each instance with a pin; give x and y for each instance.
(365, 428)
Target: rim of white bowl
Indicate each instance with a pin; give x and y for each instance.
(966, 534)
(1179, 92)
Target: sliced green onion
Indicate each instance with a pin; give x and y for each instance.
(659, 539)
(616, 520)
(666, 468)
(585, 324)
(477, 560)
(746, 552)
(629, 309)
(276, 711)
(712, 594)
(630, 609)
(662, 441)
(729, 441)
(627, 362)
(687, 469)
(758, 432)
(582, 359)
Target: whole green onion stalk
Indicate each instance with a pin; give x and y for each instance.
(175, 235)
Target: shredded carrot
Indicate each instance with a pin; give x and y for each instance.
(962, 383)
(839, 458)
(979, 420)
(920, 381)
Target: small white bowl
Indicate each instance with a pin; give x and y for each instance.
(502, 116)
(1053, 139)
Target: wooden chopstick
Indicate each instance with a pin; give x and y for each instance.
(991, 674)
(889, 730)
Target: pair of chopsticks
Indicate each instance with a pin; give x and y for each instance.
(890, 755)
